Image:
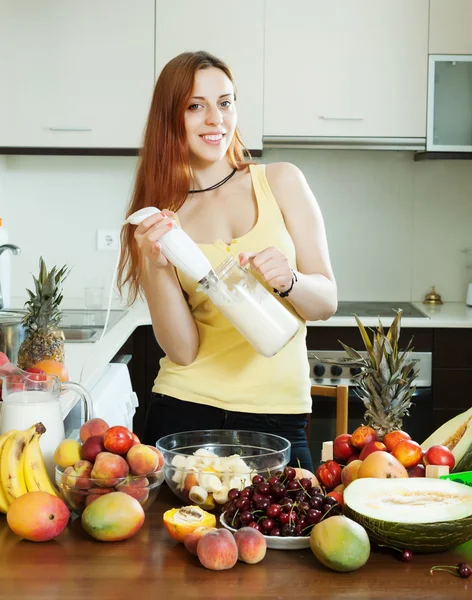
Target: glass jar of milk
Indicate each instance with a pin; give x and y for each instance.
(262, 319)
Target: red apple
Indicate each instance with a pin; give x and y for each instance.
(118, 440)
(342, 448)
(91, 447)
(440, 455)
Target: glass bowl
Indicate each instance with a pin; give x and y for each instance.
(202, 466)
(78, 491)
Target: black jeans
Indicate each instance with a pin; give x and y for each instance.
(168, 415)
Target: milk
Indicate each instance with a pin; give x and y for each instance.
(21, 410)
(257, 315)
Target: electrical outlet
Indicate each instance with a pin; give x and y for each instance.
(108, 239)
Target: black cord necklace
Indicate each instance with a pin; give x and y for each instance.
(216, 185)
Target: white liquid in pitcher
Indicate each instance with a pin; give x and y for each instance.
(20, 410)
(257, 315)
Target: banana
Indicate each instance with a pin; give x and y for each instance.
(12, 463)
(36, 475)
(3, 497)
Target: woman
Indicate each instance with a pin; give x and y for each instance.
(192, 167)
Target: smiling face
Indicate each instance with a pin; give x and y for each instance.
(210, 118)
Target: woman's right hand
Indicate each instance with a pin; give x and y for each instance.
(148, 234)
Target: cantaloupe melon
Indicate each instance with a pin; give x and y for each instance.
(456, 435)
(419, 513)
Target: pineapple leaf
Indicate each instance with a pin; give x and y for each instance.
(365, 338)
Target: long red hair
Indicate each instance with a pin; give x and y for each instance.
(163, 174)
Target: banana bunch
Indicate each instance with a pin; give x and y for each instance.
(22, 466)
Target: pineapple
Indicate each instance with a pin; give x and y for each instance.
(386, 377)
(43, 338)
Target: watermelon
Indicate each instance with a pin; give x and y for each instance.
(421, 514)
(456, 435)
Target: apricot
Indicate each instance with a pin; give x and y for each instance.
(118, 439)
(113, 517)
(217, 550)
(363, 435)
(67, 453)
(136, 487)
(37, 516)
(350, 472)
(381, 465)
(141, 460)
(109, 469)
(191, 539)
(408, 452)
(92, 447)
(53, 367)
(251, 545)
(391, 439)
(93, 427)
(372, 447)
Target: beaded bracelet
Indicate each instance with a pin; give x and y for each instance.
(287, 292)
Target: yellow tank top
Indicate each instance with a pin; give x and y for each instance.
(227, 372)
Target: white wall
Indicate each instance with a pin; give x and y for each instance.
(395, 227)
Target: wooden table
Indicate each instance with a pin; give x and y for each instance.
(152, 566)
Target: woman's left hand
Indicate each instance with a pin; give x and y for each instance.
(272, 265)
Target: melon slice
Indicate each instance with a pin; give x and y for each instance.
(421, 514)
(456, 435)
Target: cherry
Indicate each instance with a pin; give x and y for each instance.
(306, 483)
(293, 485)
(290, 473)
(304, 507)
(271, 481)
(242, 504)
(233, 494)
(287, 530)
(246, 518)
(255, 525)
(330, 501)
(464, 570)
(267, 524)
(273, 510)
(257, 498)
(278, 490)
(257, 479)
(461, 569)
(284, 518)
(313, 516)
(316, 502)
(264, 488)
(275, 532)
(247, 492)
(407, 555)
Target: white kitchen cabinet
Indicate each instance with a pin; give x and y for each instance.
(346, 69)
(450, 27)
(75, 74)
(234, 32)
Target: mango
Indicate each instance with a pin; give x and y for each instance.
(38, 516)
(340, 544)
(113, 517)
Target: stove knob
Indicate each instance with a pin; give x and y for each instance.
(355, 371)
(319, 370)
(336, 371)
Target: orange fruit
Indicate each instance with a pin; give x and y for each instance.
(53, 367)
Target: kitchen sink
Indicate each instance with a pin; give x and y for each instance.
(80, 325)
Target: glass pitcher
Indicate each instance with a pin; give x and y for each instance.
(29, 398)
(265, 323)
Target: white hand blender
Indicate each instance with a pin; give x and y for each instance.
(179, 249)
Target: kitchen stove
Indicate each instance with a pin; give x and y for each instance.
(378, 309)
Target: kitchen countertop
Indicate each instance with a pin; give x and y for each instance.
(151, 565)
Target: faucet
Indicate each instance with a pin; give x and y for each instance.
(15, 251)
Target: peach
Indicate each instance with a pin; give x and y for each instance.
(191, 539)
(37, 516)
(342, 448)
(109, 469)
(408, 452)
(80, 477)
(381, 465)
(160, 456)
(67, 453)
(418, 471)
(217, 550)
(91, 447)
(391, 439)
(363, 435)
(95, 493)
(136, 487)
(113, 517)
(136, 440)
(350, 472)
(118, 439)
(251, 545)
(93, 427)
(142, 460)
(372, 447)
